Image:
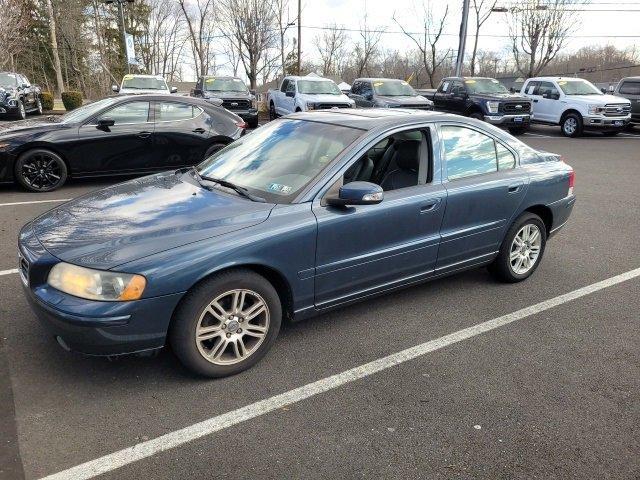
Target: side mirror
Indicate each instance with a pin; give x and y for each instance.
(252, 92)
(106, 122)
(173, 89)
(357, 193)
(603, 90)
(197, 91)
(25, 85)
(290, 94)
(115, 88)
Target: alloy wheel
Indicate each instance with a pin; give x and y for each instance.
(525, 249)
(232, 327)
(570, 126)
(41, 172)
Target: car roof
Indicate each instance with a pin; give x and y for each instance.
(164, 97)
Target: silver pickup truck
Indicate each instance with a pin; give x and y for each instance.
(301, 94)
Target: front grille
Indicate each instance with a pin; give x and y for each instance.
(23, 267)
(616, 109)
(515, 107)
(327, 106)
(231, 104)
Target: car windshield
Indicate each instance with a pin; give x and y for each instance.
(144, 83)
(484, 86)
(84, 112)
(578, 87)
(321, 86)
(225, 85)
(278, 160)
(393, 88)
(8, 80)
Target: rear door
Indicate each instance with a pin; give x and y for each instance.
(485, 187)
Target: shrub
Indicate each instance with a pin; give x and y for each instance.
(47, 100)
(71, 99)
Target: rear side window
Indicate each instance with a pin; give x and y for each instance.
(506, 159)
(172, 111)
(468, 152)
(630, 88)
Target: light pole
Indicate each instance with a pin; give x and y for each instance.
(463, 37)
(122, 29)
(299, 35)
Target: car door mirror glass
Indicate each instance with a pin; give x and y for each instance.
(357, 193)
(106, 122)
(174, 90)
(115, 88)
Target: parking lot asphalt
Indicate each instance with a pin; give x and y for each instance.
(553, 395)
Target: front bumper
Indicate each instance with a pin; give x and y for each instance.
(606, 123)
(87, 326)
(509, 120)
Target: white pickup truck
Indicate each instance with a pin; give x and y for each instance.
(301, 94)
(576, 105)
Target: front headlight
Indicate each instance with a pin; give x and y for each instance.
(493, 107)
(96, 284)
(595, 109)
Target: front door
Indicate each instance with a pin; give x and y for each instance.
(127, 146)
(366, 248)
(484, 189)
(549, 106)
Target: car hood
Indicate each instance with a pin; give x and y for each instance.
(501, 96)
(327, 98)
(596, 99)
(405, 100)
(140, 91)
(29, 126)
(141, 217)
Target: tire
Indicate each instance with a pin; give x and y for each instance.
(476, 115)
(272, 111)
(40, 170)
(222, 338)
(253, 123)
(571, 125)
(38, 110)
(213, 149)
(21, 114)
(612, 133)
(503, 267)
(517, 130)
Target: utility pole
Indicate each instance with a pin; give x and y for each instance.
(299, 36)
(123, 32)
(463, 37)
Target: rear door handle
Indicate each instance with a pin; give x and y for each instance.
(430, 205)
(144, 134)
(199, 130)
(515, 188)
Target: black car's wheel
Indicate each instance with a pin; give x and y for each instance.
(571, 125)
(21, 113)
(521, 250)
(253, 123)
(517, 130)
(226, 324)
(476, 115)
(272, 111)
(213, 149)
(38, 110)
(40, 170)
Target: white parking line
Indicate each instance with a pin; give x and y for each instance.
(34, 201)
(174, 439)
(8, 272)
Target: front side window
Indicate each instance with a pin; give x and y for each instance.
(132, 112)
(144, 83)
(467, 152)
(278, 160)
(172, 111)
(318, 87)
(630, 88)
(457, 88)
(366, 89)
(394, 88)
(578, 87)
(547, 88)
(291, 86)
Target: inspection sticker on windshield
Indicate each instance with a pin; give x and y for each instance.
(128, 77)
(469, 81)
(276, 187)
(377, 84)
(210, 80)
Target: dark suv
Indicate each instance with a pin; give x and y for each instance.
(629, 88)
(235, 96)
(387, 93)
(17, 96)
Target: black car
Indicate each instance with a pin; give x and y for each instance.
(233, 93)
(17, 96)
(485, 99)
(629, 88)
(120, 135)
(387, 93)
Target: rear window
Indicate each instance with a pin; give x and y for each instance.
(630, 88)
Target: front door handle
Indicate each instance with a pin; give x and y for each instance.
(199, 130)
(515, 188)
(430, 205)
(144, 134)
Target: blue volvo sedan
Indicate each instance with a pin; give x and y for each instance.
(310, 212)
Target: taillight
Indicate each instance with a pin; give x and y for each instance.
(241, 124)
(572, 180)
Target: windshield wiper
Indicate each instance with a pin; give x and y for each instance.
(237, 188)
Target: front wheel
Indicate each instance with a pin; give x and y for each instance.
(571, 125)
(226, 324)
(21, 114)
(521, 250)
(38, 110)
(517, 130)
(213, 149)
(40, 170)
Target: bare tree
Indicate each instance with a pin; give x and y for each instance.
(483, 10)
(200, 17)
(16, 21)
(54, 46)
(367, 49)
(331, 45)
(427, 40)
(538, 31)
(281, 10)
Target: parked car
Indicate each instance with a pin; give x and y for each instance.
(136, 84)
(484, 99)
(18, 97)
(576, 105)
(307, 213)
(629, 88)
(301, 94)
(387, 93)
(233, 93)
(115, 136)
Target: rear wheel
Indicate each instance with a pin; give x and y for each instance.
(40, 170)
(521, 250)
(213, 149)
(571, 125)
(226, 324)
(21, 114)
